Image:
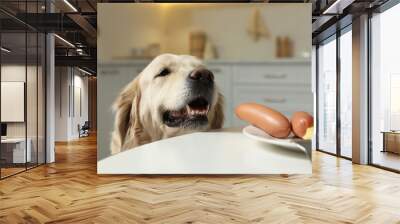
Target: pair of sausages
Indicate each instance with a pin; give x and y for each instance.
(275, 123)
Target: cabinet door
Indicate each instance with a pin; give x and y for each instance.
(111, 79)
(223, 79)
(284, 99)
(273, 74)
(285, 87)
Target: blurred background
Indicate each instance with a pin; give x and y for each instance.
(245, 32)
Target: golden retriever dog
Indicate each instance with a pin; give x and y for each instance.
(173, 95)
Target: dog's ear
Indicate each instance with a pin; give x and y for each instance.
(218, 118)
(127, 125)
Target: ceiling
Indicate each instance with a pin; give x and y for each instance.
(76, 22)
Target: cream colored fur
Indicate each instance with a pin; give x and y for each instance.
(137, 108)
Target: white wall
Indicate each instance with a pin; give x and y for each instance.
(67, 80)
(61, 103)
(10, 73)
(34, 126)
(314, 90)
(80, 83)
(226, 27)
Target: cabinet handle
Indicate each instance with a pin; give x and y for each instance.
(275, 76)
(274, 100)
(216, 70)
(109, 72)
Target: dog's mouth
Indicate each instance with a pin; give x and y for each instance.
(192, 115)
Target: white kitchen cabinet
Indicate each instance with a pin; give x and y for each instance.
(272, 73)
(285, 100)
(222, 76)
(284, 85)
(112, 78)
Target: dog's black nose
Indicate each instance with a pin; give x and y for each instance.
(202, 74)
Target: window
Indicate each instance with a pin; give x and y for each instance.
(327, 96)
(22, 77)
(333, 137)
(385, 89)
(346, 93)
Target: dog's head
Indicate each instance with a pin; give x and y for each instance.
(173, 95)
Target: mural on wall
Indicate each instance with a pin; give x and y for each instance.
(204, 96)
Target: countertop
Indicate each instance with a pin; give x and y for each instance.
(218, 152)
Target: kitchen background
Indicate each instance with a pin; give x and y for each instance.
(229, 28)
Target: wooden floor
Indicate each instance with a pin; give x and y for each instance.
(5, 172)
(70, 191)
(8, 171)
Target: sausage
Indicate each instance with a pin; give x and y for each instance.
(271, 121)
(302, 124)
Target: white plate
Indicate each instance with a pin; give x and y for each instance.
(291, 142)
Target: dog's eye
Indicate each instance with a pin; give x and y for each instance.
(164, 72)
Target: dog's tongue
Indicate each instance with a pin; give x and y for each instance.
(178, 113)
(191, 111)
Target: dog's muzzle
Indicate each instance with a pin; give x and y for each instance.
(200, 82)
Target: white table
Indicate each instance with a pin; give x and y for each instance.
(223, 152)
(18, 149)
